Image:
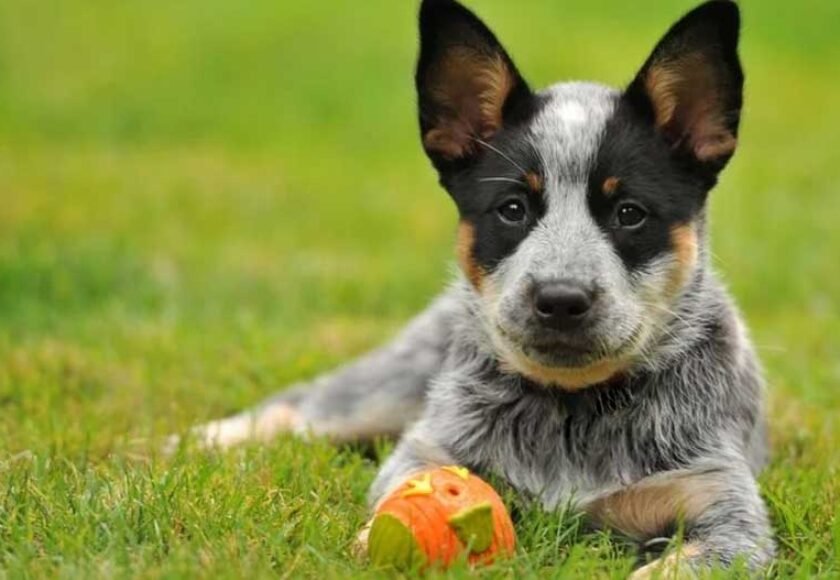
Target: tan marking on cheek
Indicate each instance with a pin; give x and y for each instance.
(646, 509)
(534, 182)
(464, 249)
(686, 251)
(610, 186)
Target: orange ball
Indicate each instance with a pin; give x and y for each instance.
(437, 516)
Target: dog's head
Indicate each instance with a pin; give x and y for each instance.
(581, 206)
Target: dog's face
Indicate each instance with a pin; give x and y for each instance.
(581, 206)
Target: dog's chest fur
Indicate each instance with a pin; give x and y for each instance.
(570, 448)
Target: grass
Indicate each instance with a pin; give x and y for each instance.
(203, 201)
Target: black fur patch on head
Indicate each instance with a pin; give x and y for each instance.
(472, 105)
(650, 176)
(501, 174)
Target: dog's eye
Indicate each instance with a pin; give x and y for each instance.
(631, 215)
(513, 211)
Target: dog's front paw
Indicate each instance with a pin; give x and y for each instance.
(261, 425)
(222, 434)
(360, 544)
(671, 567)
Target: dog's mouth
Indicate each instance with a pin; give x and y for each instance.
(568, 366)
(560, 353)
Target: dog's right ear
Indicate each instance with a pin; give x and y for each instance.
(468, 88)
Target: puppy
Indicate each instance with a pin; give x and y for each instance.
(587, 355)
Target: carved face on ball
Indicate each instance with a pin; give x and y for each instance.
(438, 516)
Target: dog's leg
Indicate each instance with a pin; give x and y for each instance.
(379, 394)
(723, 516)
(412, 455)
(677, 564)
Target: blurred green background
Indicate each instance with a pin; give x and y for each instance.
(201, 201)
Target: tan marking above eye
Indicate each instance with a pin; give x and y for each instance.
(534, 182)
(610, 185)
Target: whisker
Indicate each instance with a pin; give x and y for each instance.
(669, 311)
(540, 155)
(501, 180)
(500, 153)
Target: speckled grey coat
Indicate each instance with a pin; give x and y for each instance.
(648, 416)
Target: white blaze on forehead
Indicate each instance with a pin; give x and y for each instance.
(566, 134)
(573, 113)
(568, 129)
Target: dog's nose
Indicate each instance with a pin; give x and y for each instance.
(562, 304)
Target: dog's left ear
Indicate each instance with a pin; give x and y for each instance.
(467, 85)
(691, 87)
